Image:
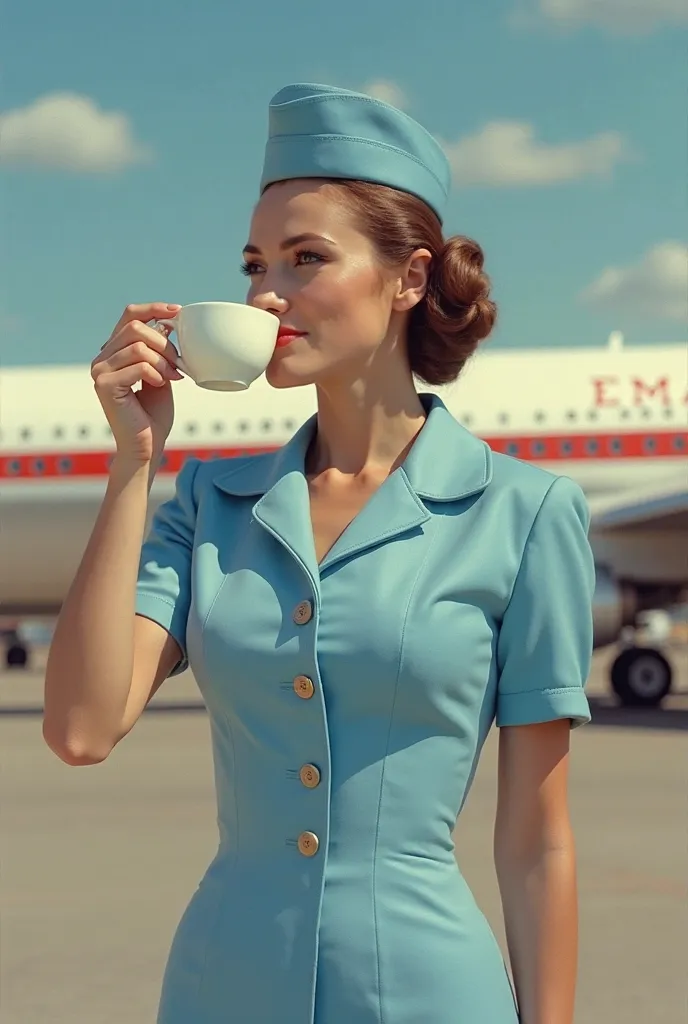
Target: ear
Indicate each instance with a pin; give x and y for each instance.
(412, 284)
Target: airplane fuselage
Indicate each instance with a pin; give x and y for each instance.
(608, 418)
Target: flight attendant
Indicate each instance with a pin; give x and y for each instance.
(358, 609)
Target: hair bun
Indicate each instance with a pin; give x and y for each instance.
(456, 314)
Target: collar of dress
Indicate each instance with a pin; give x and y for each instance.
(446, 462)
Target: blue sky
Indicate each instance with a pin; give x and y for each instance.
(131, 144)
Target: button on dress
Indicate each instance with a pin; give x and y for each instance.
(348, 703)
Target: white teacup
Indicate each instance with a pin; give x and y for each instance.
(223, 346)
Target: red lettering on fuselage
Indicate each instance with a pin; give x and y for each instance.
(600, 385)
(610, 392)
(641, 389)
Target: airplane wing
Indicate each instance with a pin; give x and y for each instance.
(659, 507)
(642, 535)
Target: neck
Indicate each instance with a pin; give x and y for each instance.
(367, 424)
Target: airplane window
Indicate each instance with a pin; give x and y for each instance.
(58, 431)
(592, 414)
(243, 426)
(571, 414)
(266, 425)
(25, 433)
(467, 419)
(537, 448)
(565, 448)
(540, 416)
(218, 427)
(108, 430)
(38, 466)
(679, 443)
(83, 431)
(649, 444)
(289, 424)
(191, 428)
(615, 445)
(64, 465)
(592, 446)
(512, 448)
(646, 412)
(625, 414)
(669, 412)
(13, 466)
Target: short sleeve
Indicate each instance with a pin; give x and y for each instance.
(163, 589)
(545, 642)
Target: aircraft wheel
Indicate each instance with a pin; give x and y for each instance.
(17, 656)
(641, 677)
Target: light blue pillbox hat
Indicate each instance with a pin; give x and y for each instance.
(319, 131)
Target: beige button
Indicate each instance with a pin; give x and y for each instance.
(309, 775)
(303, 687)
(303, 613)
(308, 843)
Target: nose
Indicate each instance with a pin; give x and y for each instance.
(269, 301)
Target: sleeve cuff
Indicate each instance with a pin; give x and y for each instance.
(159, 610)
(535, 706)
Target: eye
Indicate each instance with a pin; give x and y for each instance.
(302, 256)
(307, 252)
(249, 269)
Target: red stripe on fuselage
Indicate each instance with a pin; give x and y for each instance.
(532, 448)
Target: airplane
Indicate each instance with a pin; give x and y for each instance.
(613, 418)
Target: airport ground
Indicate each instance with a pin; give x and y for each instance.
(97, 863)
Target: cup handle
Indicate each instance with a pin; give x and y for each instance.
(172, 326)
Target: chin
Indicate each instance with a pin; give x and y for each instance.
(280, 375)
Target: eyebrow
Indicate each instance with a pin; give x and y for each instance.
(288, 243)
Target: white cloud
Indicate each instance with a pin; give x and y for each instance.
(657, 285)
(618, 15)
(387, 91)
(507, 153)
(69, 132)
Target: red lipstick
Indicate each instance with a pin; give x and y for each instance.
(287, 334)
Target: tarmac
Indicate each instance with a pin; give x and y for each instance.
(97, 863)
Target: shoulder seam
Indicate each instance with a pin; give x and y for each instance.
(527, 542)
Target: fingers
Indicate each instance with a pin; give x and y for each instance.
(145, 312)
(117, 383)
(136, 354)
(136, 332)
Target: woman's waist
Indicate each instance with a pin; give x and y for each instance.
(339, 827)
(347, 855)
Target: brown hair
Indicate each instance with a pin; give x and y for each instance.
(447, 325)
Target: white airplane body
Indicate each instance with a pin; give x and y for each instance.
(613, 418)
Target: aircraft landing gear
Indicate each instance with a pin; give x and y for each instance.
(16, 653)
(641, 677)
(16, 656)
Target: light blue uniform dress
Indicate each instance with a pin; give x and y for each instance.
(348, 704)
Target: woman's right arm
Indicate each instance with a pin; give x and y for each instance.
(105, 662)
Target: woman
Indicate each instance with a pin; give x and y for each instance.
(357, 609)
